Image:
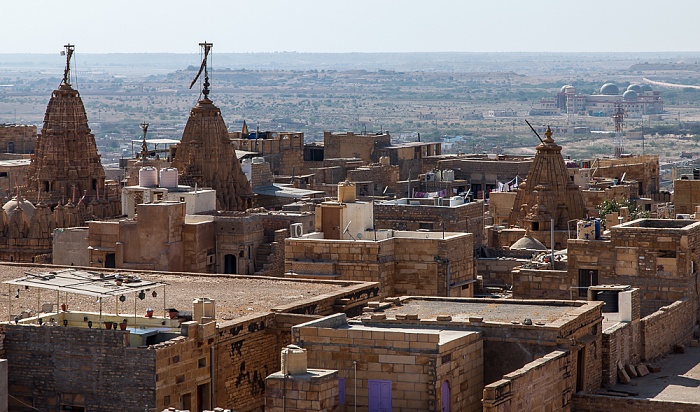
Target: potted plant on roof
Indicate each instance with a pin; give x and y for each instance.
(122, 326)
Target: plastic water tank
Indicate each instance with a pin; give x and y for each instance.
(585, 229)
(148, 177)
(168, 177)
(448, 175)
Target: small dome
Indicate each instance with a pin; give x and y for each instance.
(568, 89)
(630, 95)
(609, 89)
(11, 206)
(635, 88)
(646, 88)
(528, 242)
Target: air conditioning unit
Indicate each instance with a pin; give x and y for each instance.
(430, 177)
(296, 229)
(211, 259)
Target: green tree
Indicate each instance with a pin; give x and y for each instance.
(613, 205)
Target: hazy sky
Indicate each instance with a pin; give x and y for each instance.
(103, 26)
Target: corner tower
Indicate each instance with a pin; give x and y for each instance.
(206, 157)
(65, 160)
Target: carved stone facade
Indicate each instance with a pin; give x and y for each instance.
(547, 193)
(206, 157)
(65, 161)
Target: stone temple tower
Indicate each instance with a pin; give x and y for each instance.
(547, 193)
(65, 163)
(206, 157)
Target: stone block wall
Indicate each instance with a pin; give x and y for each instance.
(418, 267)
(463, 369)
(686, 195)
(543, 284)
(622, 343)
(594, 198)
(480, 169)
(656, 256)
(468, 218)
(409, 360)
(545, 384)
(246, 351)
(181, 365)
(668, 326)
(348, 144)
(275, 260)
(17, 138)
(498, 271)
(643, 169)
(316, 390)
(357, 261)
(86, 365)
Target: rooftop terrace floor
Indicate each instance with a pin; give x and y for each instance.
(678, 380)
(235, 296)
(492, 311)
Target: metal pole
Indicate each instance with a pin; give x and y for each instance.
(354, 364)
(552, 240)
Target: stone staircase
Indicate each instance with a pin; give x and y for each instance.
(261, 256)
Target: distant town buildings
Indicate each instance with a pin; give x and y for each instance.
(636, 100)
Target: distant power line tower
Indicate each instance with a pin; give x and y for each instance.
(618, 117)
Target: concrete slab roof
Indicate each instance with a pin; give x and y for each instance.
(285, 191)
(491, 310)
(235, 296)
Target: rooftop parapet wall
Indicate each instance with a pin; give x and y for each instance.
(130, 369)
(544, 384)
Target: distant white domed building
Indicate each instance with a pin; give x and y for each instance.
(636, 100)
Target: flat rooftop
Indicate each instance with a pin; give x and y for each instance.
(235, 296)
(491, 310)
(660, 224)
(678, 380)
(445, 335)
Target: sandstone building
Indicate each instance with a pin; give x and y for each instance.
(65, 161)
(17, 138)
(215, 354)
(347, 246)
(419, 354)
(206, 157)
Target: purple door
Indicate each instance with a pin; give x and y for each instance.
(445, 397)
(379, 396)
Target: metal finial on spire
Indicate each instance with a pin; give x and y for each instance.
(144, 147)
(548, 135)
(70, 48)
(206, 47)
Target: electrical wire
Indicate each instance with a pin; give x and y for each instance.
(24, 403)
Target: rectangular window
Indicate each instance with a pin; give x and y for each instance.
(586, 278)
(667, 254)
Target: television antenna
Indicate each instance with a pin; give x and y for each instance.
(618, 117)
(346, 230)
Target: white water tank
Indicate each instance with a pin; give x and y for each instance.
(168, 177)
(448, 175)
(148, 177)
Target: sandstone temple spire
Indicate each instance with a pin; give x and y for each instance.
(66, 153)
(547, 193)
(205, 156)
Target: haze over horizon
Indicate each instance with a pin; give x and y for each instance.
(318, 26)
